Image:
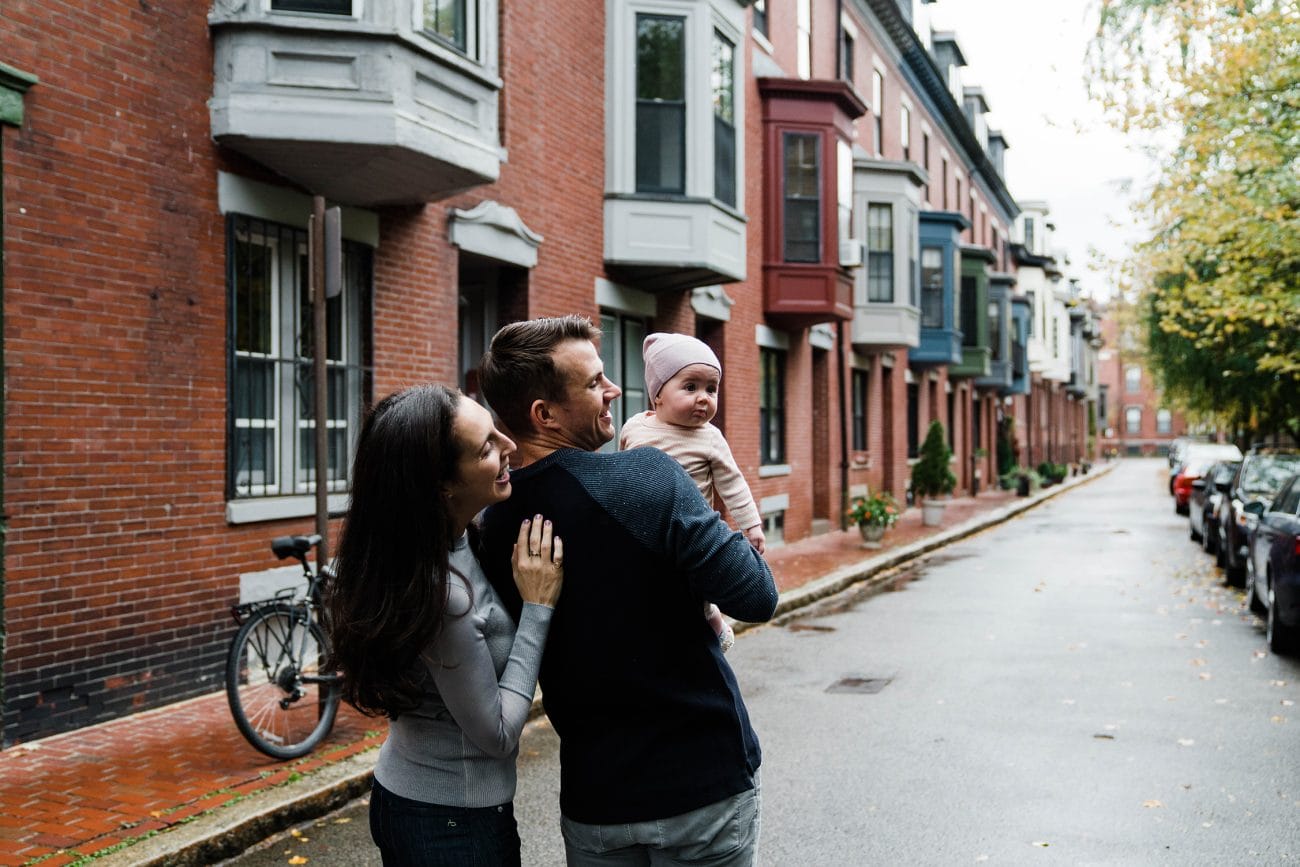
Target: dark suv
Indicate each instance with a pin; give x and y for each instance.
(1262, 472)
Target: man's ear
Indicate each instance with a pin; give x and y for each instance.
(541, 416)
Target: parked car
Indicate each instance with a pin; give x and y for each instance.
(1203, 506)
(1261, 474)
(1273, 579)
(1196, 459)
(1177, 447)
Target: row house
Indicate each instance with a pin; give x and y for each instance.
(806, 185)
(1132, 418)
(1053, 411)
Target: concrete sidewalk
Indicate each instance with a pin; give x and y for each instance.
(179, 786)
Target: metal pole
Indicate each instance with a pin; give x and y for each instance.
(316, 271)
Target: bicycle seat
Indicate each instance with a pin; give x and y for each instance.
(294, 546)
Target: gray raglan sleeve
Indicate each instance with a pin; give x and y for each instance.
(491, 713)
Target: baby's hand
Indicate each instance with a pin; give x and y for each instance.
(756, 538)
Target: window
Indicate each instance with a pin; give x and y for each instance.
(925, 162)
(859, 385)
(913, 418)
(959, 198)
(905, 131)
(846, 55)
(952, 419)
(969, 313)
(660, 104)
(1132, 379)
(774, 527)
(330, 7)
(1029, 234)
(1133, 420)
(995, 330)
(1056, 336)
(844, 187)
(1164, 421)
(620, 349)
(760, 16)
(910, 240)
(932, 287)
(771, 406)
(803, 38)
(802, 198)
(878, 108)
(880, 253)
(450, 21)
(271, 424)
(724, 119)
(944, 195)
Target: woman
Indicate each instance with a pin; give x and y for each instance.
(420, 636)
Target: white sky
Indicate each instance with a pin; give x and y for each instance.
(1028, 56)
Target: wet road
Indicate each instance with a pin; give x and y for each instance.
(1075, 686)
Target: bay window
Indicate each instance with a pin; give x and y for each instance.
(450, 21)
(932, 287)
(724, 119)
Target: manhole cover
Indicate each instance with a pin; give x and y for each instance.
(867, 685)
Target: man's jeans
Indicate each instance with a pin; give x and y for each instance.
(723, 834)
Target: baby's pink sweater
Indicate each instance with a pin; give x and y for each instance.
(704, 454)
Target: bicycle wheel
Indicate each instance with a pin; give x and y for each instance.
(274, 683)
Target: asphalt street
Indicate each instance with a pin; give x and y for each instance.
(1074, 686)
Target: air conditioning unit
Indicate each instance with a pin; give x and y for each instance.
(851, 253)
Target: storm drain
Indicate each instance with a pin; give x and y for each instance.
(864, 685)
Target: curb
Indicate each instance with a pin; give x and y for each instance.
(231, 829)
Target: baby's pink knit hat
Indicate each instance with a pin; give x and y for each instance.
(666, 354)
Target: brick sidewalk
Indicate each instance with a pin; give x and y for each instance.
(100, 788)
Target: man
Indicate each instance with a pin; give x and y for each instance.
(656, 750)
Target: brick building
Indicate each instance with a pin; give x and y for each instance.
(1133, 418)
(807, 186)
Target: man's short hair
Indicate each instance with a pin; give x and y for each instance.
(518, 367)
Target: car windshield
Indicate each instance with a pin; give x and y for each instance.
(1225, 472)
(1266, 473)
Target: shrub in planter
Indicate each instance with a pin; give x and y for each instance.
(931, 476)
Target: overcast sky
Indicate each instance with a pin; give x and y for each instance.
(1028, 55)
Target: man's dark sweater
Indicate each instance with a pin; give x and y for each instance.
(650, 718)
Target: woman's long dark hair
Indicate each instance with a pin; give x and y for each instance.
(388, 598)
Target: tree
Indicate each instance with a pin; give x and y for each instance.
(1221, 268)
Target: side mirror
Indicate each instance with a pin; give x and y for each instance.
(1255, 508)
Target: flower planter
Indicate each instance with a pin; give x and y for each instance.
(932, 512)
(871, 534)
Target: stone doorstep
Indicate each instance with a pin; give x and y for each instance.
(232, 828)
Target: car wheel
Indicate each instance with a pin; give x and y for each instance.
(1281, 638)
(1252, 598)
(1236, 575)
(1194, 534)
(1209, 540)
(1220, 558)
(1180, 508)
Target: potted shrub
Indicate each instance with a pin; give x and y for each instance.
(873, 514)
(932, 477)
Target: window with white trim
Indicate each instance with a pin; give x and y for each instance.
(803, 38)
(271, 445)
(861, 379)
(760, 16)
(1164, 421)
(660, 104)
(454, 22)
(878, 109)
(621, 336)
(771, 406)
(905, 131)
(327, 7)
(880, 253)
(1132, 379)
(1133, 420)
(724, 119)
(932, 287)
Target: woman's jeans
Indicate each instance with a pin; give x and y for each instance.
(415, 834)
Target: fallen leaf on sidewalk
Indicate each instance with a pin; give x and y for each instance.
(1199, 661)
(1152, 803)
(298, 859)
(1286, 702)
(1186, 742)
(343, 820)
(1259, 654)
(1277, 719)
(1205, 675)
(1277, 683)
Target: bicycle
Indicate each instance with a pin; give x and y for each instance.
(282, 702)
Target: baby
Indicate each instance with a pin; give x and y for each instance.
(682, 376)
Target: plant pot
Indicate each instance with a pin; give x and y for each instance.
(932, 512)
(871, 534)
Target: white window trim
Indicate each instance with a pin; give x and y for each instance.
(278, 508)
(358, 9)
(480, 31)
(774, 503)
(769, 338)
(239, 195)
(625, 300)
